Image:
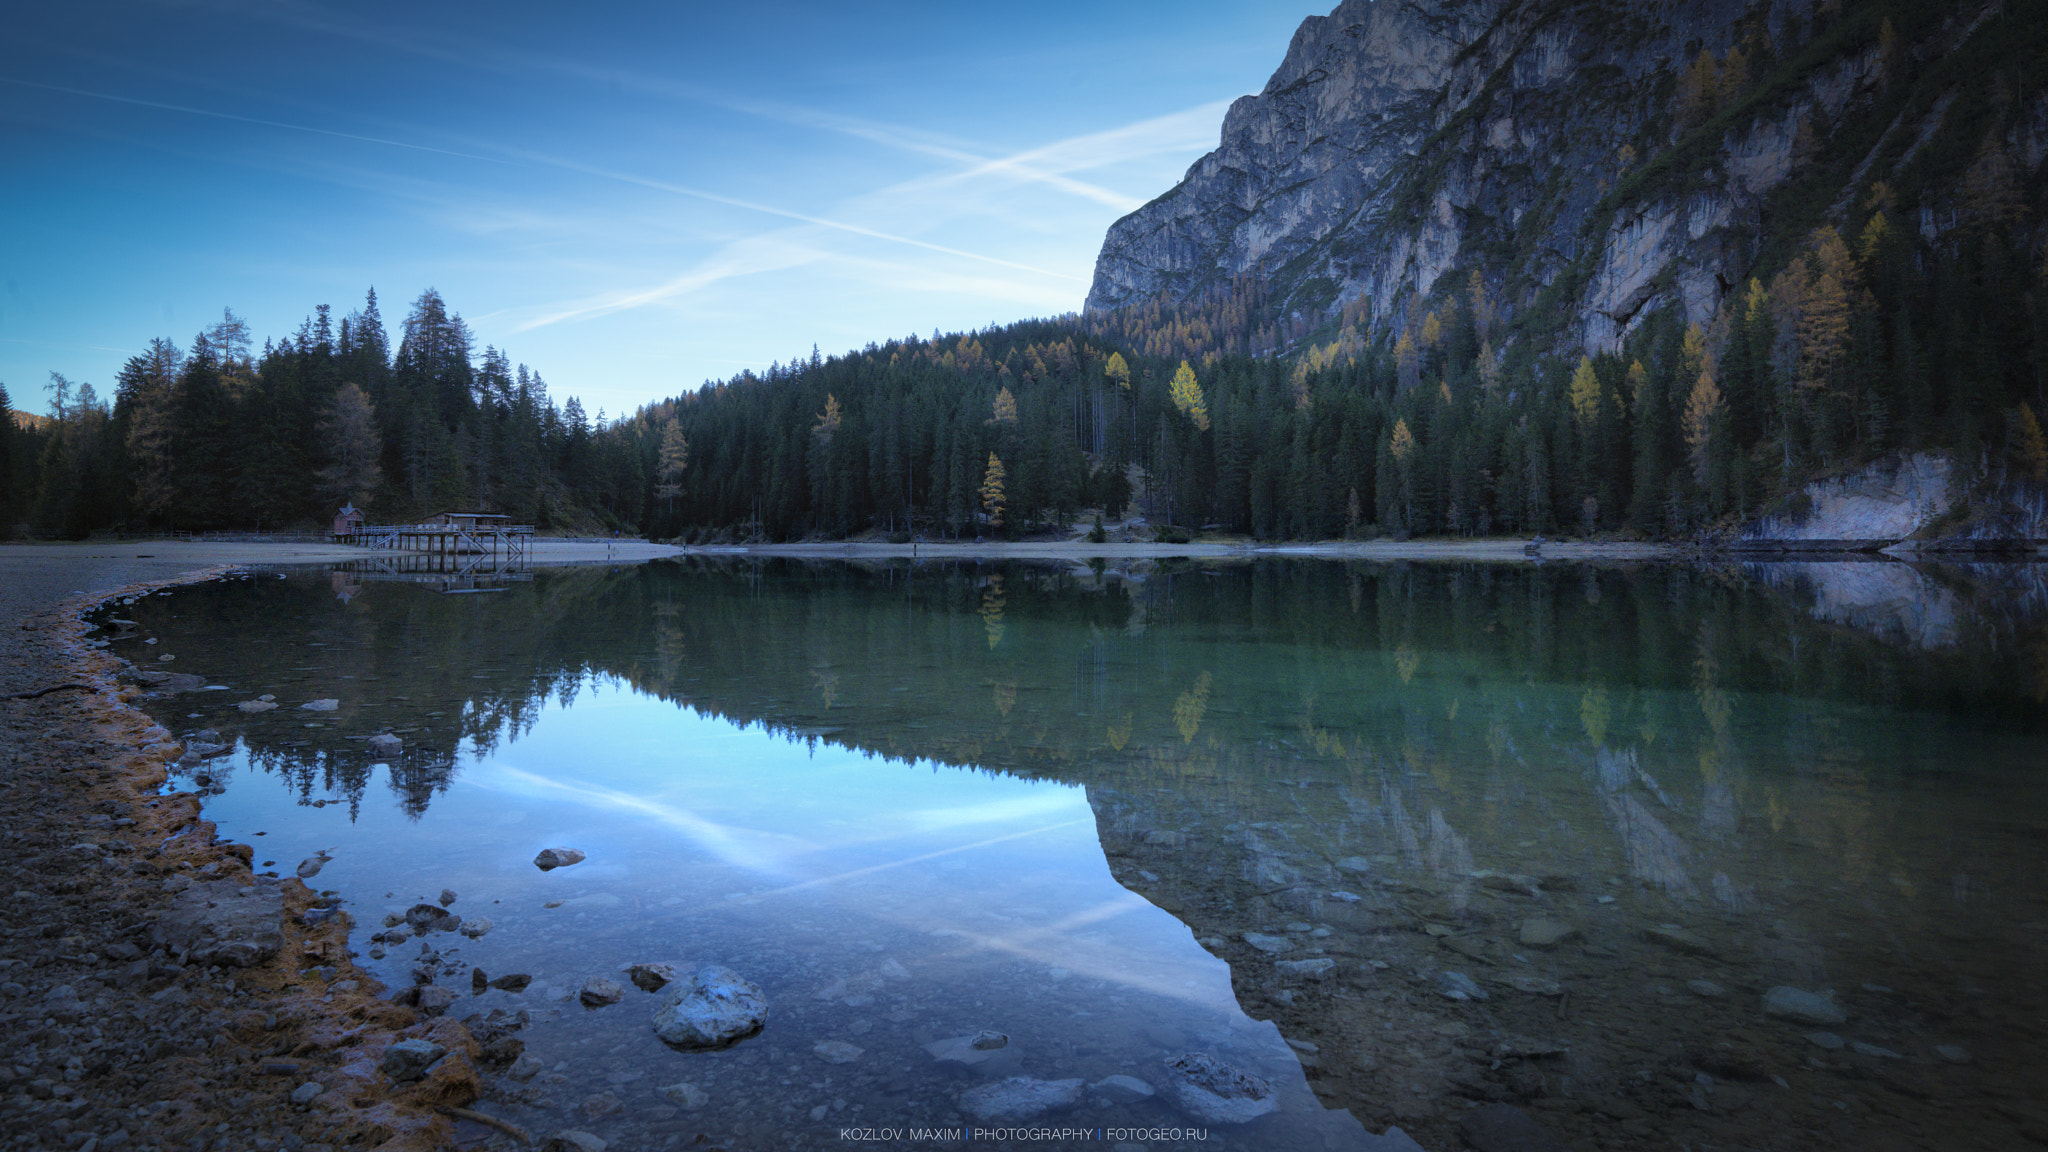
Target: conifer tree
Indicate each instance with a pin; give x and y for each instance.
(1585, 393)
(350, 439)
(1186, 395)
(1704, 415)
(673, 461)
(992, 497)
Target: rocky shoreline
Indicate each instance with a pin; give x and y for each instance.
(135, 1011)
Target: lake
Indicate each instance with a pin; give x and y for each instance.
(1741, 855)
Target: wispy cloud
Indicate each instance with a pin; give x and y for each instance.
(743, 258)
(1190, 129)
(1048, 164)
(210, 113)
(604, 173)
(509, 155)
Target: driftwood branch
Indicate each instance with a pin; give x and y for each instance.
(45, 692)
(509, 1129)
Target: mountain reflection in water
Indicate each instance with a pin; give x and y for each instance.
(1619, 804)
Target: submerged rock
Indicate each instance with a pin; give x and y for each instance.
(1214, 1092)
(651, 977)
(837, 1051)
(1542, 932)
(1122, 1089)
(599, 992)
(512, 982)
(424, 918)
(1789, 1003)
(1019, 1098)
(1681, 940)
(714, 1008)
(1458, 986)
(1505, 1128)
(384, 745)
(685, 1095)
(983, 1048)
(475, 927)
(1266, 943)
(326, 705)
(552, 858)
(1316, 969)
(1533, 985)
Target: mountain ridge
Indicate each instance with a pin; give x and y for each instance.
(1399, 142)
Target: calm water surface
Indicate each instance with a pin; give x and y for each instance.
(917, 802)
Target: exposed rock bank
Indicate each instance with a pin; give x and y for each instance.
(153, 992)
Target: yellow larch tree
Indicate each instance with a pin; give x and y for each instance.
(1489, 368)
(1824, 315)
(1586, 392)
(992, 498)
(674, 460)
(1005, 408)
(1186, 394)
(1118, 370)
(1482, 305)
(828, 420)
(1705, 411)
(1402, 444)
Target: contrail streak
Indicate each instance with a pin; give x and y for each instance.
(140, 103)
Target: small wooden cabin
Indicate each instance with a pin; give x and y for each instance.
(348, 521)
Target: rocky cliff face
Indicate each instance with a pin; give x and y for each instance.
(1553, 146)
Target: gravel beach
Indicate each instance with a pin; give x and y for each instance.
(154, 992)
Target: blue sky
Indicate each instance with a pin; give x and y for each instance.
(630, 198)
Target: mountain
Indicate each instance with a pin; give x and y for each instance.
(1626, 157)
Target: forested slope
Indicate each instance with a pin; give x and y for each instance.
(1494, 266)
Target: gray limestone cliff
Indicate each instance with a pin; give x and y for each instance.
(1549, 146)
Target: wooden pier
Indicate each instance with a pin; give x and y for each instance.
(449, 573)
(450, 534)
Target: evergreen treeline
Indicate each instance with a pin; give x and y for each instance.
(1863, 343)
(220, 437)
(1870, 340)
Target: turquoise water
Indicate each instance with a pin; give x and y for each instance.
(915, 803)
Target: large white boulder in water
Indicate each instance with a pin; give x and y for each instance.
(713, 1008)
